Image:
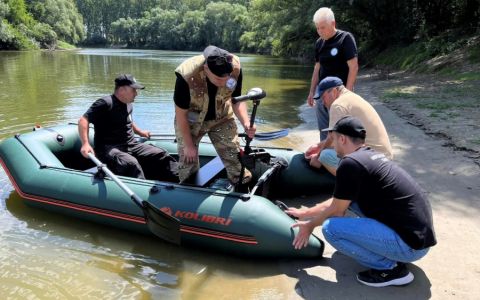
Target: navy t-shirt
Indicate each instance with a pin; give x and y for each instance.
(387, 193)
(181, 96)
(113, 122)
(334, 53)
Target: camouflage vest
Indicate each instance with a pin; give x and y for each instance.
(192, 71)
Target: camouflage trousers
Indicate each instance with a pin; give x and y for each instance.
(224, 137)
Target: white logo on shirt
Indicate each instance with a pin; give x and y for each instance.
(334, 51)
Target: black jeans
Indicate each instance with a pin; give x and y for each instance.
(140, 161)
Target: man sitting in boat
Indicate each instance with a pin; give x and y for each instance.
(203, 94)
(341, 102)
(114, 139)
(395, 224)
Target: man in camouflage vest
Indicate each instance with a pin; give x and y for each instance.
(203, 95)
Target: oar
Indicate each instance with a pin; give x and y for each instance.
(161, 224)
(261, 136)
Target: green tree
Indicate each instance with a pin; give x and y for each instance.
(44, 35)
(224, 25)
(125, 31)
(190, 31)
(281, 27)
(18, 13)
(100, 14)
(62, 16)
(160, 27)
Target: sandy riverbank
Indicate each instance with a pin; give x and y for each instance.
(451, 180)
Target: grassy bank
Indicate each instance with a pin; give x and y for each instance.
(437, 93)
(442, 55)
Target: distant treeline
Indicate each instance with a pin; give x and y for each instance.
(277, 27)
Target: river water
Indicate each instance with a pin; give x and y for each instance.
(49, 256)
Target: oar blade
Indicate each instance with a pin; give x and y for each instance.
(266, 136)
(161, 224)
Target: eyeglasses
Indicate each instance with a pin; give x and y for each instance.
(220, 60)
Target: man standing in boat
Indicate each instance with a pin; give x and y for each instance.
(395, 224)
(204, 89)
(114, 139)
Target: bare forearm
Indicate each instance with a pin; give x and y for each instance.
(136, 129)
(352, 73)
(314, 81)
(317, 209)
(83, 130)
(330, 208)
(240, 110)
(327, 143)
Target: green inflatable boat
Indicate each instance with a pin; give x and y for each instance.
(47, 170)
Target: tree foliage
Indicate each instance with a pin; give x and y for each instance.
(219, 23)
(278, 27)
(62, 16)
(32, 24)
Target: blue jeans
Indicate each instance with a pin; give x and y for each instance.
(328, 157)
(322, 118)
(369, 242)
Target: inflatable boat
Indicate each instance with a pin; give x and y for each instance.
(47, 170)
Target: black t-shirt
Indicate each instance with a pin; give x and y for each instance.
(386, 193)
(334, 53)
(181, 96)
(113, 122)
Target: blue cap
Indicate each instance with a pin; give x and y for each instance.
(325, 84)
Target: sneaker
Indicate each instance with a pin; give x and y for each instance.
(380, 278)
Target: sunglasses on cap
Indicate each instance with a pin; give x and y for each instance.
(220, 60)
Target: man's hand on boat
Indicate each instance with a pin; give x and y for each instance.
(312, 151)
(86, 148)
(303, 235)
(144, 133)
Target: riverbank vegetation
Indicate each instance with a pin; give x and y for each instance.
(34, 24)
(407, 31)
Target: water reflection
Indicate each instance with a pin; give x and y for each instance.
(56, 87)
(49, 256)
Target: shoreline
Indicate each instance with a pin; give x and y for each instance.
(450, 180)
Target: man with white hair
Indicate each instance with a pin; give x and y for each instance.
(335, 55)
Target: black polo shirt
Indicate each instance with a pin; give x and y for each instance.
(387, 193)
(334, 53)
(113, 122)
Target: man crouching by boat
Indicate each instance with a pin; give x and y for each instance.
(203, 94)
(114, 139)
(395, 224)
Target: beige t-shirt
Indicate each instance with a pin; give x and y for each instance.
(349, 103)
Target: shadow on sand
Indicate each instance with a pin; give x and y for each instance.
(346, 286)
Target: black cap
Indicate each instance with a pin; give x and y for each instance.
(350, 126)
(127, 79)
(219, 61)
(327, 83)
